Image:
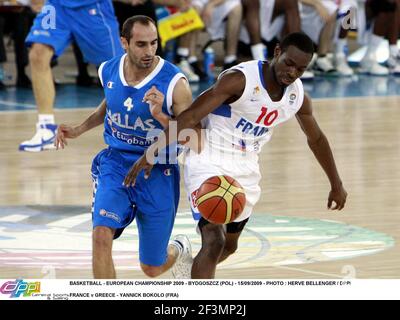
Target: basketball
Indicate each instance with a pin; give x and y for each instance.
(220, 199)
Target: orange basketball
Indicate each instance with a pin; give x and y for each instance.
(220, 199)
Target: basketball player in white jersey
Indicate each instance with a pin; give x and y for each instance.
(242, 108)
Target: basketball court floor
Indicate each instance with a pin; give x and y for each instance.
(45, 220)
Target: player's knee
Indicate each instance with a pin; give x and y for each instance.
(230, 248)
(213, 240)
(40, 55)
(102, 238)
(236, 12)
(150, 271)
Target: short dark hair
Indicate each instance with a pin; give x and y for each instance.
(129, 23)
(298, 39)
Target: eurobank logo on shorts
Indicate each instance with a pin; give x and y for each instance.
(19, 287)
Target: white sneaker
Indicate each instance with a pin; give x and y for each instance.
(324, 65)
(182, 268)
(372, 67)
(42, 140)
(342, 66)
(187, 70)
(307, 75)
(393, 64)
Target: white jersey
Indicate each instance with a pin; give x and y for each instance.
(248, 123)
(235, 134)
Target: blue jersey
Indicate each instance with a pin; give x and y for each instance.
(128, 124)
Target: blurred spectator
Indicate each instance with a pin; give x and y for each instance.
(383, 14)
(318, 21)
(347, 10)
(16, 20)
(266, 20)
(92, 24)
(222, 19)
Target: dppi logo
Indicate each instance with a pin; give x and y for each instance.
(18, 287)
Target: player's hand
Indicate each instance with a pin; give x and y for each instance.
(65, 132)
(141, 164)
(338, 196)
(155, 99)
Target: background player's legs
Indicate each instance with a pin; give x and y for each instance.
(289, 8)
(103, 266)
(251, 13)
(42, 79)
(43, 89)
(232, 36)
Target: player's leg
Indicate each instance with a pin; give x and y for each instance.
(383, 14)
(289, 8)
(42, 79)
(251, 15)
(218, 242)
(212, 247)
(393, 62)
(102, 263)
(112, 210)
(155, 218)
(319, 25)
(232, 35)
(233, 232)
(252, 21)
(347, 20)
(173, 251)
(46, 41)
(231, 245)
(156, 254)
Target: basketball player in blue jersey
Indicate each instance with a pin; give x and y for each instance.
(93, 26)
(142, 93)
(244, 106)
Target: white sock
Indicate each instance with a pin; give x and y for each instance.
(177, 245)
(183, 52)
(373, 45)
(192, 59)
(340, 45)
(394, 50)
(229, 59)
(46, 119)
(258, 51)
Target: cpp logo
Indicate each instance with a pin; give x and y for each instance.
(18, 287)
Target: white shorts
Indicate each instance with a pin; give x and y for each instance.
(200, 167)
(216, 29)
(311, 22)
(269, 29)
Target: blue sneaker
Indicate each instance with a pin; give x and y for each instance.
(42, 140)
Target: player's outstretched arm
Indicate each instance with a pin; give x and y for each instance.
(227, 89)
(319, 145)
(65, 132)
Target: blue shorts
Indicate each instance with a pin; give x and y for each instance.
(93, 27)
(153, 202)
